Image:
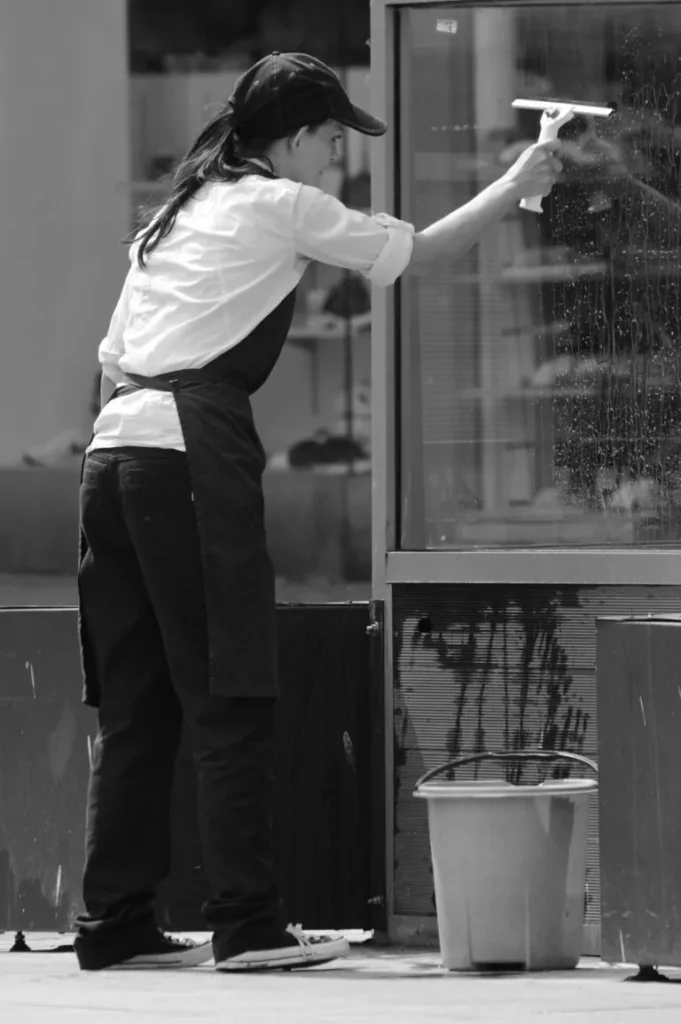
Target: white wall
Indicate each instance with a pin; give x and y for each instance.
(64, 156)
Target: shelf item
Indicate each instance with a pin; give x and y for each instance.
(307, 331)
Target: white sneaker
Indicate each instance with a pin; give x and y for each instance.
(167, 953)
(296, 950)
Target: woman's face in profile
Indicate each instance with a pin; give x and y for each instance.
(314, 151)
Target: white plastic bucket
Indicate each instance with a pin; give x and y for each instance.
(509, 865)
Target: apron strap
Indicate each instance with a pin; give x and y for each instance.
(163, 382)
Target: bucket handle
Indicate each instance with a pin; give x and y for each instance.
(508, 755)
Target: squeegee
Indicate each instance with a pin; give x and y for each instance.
(554, 115)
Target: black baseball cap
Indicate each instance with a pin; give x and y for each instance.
(287, 91)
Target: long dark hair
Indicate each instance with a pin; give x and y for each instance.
(220, 153)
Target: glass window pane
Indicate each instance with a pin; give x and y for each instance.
(540, 374)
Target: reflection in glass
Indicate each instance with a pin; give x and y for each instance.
(540, 375)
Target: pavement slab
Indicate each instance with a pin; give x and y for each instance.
(395, 985)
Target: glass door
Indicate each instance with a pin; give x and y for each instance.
(540, 375)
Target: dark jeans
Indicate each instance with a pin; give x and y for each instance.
(141, 596)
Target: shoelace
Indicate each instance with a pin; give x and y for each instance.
(187, 943)
(296, 930)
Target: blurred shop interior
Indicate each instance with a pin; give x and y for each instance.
(165, 66)
(540, 399)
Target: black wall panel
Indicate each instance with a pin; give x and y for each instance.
(329, 752)
(639, 701)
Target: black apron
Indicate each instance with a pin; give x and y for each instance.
(226, 461)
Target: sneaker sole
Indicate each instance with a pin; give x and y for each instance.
(202, 954)
(287, 959)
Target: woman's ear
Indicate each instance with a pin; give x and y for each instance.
(295, 140)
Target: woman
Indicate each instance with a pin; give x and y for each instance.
(176, 587)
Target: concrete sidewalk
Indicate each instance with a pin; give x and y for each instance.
(397, 986)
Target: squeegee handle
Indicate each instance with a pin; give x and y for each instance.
(533, 204)
(549, 133)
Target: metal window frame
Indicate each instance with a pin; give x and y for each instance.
(597, 565)
(390, 566)
(380, 7)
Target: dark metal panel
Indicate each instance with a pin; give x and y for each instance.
(639, 699)
(327, 743)
(324, 823)
(39, 655)
(377, 803)
(44, 765)
(500, 666)
(324, 815)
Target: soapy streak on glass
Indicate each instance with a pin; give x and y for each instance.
(541, 375)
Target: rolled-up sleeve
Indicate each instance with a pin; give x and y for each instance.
(326, 230)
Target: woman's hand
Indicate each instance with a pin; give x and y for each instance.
(536, 170)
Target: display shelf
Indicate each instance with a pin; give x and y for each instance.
(530, 393)
(436, 167)
(556, 272)
(466, 443)
(607, 529)
(582, 441)
(551, 394)
(537, 331)
(569, 272)
(521, 276)
(538, 531)
(568, 391)
(307, 331)
(607, 384)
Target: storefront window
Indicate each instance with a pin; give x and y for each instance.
(540, 383)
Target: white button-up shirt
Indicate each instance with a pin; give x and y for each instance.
(235, 252)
